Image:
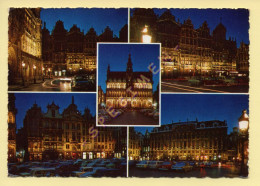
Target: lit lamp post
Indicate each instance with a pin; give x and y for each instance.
(34, 79)
(43, 73)
(80, 70)
(49, 72)
(23, 65)
(146, 38)
(70, 71)
(243, 122)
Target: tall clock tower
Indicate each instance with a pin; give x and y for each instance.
(129, 73)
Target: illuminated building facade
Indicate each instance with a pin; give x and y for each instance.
(187, 51)
(135, 144)
(101, 97)
(71, 52)
(24, 46)
(70, 135)
(191, 140)
(12, 111)
(32, 131)
(128, 88)
(139, 145)
(243, 58)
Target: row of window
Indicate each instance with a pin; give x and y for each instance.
(197, 152)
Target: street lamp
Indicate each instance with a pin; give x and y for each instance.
(43, 73)
(23, 65)
(34, 67)
(49, 72)
(243, 122)
(146, 38)
(70, 71)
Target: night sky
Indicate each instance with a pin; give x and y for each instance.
(24, 101)
(116, 55)
(235, 20)
(204, 107)
(86, 18)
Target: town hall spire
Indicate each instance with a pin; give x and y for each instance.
(129, 64)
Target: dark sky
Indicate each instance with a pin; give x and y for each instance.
(235, 20)
(86, 18)
(204, 107)
(24, 101)
(116, 55)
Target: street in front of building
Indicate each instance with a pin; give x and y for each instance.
(198, 173)
(177, 86)
(55, 84)
(133, 118)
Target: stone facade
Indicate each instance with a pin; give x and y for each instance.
(12, 111)
(187, 51)
(191, 140)
(129, 89)
(24, 46)
(70, 135)
(71, 52)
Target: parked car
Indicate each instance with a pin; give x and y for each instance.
(154, 164)
(230, 81)
(110, 165)
(156, 115)
(151, 114)
(91, 171)
(209, 163)
(194, 82)
(21, 169)
(40, 172)
(213, 82)
(147, 112)
(109, 173)
(166, 165)
(85, 162)
(214, 164)
(83, 83)
(202, 165)
(193, 164)
(82, 170)
(182, 166)
(103, 163)
(144, 110)
(142, 164)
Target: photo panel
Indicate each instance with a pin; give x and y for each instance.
(201, 135)
(128, 84)
(203, 50)
(54, 49)
(57, 137)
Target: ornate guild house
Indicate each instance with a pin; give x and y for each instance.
(129, 89)
(12, 111)
(187, 51)
(190, 140)
(24, 45)
(71, 52)
(69, 135)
